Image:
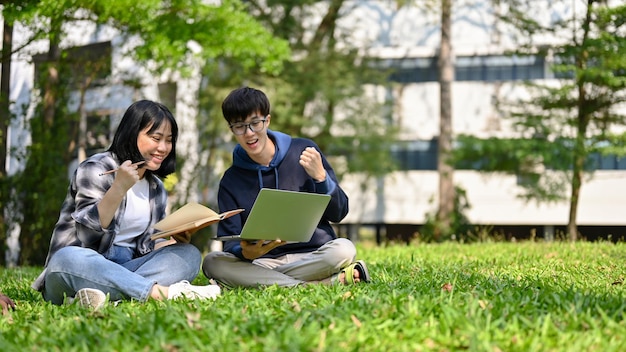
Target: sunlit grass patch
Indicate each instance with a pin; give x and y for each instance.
(439, 297)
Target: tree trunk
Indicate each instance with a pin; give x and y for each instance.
(5, 87)
(572, 228)
(578, 158)
(32, 249)
(52, 80)
(5, 120)
(446, 76)
(82, 115)
(581, 131)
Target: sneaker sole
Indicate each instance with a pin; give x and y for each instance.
(91, 298)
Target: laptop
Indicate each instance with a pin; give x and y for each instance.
(286, 215)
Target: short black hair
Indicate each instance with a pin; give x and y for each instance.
(137, 117)
(242, 102)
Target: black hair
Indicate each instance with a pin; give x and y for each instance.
(242, 102)
(137, 117)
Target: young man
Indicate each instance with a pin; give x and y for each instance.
(269, 159)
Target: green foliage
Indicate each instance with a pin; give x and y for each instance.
(541, 165)
(560, 122)
(584, 103)
(37, 188)
(169, 36)
(170, 33)
(318, 94)
(616, 145)
(321, 92)
(177, 30)
(481, 297)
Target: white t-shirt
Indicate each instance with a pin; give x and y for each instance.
(137, 215)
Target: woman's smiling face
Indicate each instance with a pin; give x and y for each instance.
(155, 145)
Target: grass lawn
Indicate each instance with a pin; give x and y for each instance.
(435, 297)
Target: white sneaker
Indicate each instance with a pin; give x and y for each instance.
(90, 298)
(184, 289)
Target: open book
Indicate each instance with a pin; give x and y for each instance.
(191, 216)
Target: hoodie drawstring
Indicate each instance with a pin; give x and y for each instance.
(260, 173)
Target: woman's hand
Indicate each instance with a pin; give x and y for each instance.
(184, 237)
(255, 250)
(126, 176)
(6, 303)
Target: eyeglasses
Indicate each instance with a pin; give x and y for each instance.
(254, 126)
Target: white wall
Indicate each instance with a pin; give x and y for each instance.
(405, 197)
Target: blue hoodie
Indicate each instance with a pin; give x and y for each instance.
(244, 179)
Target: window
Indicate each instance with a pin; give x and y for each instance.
(467, 68)
(81, 66)
(167, 95)
(422, 155)
(90, 64)
(98, 136)
(415, 155)
(607, 162)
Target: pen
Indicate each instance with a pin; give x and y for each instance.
(114, 170)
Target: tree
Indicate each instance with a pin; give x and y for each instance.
(444, 222)
(5, 113)
(444, 151)
(321, 93)
(169, 35)
(562, 122)
(5, 77)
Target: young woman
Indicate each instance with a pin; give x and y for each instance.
(101, 243)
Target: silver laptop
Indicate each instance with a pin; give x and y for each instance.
(286, 215)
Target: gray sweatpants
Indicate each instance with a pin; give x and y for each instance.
(287, 270)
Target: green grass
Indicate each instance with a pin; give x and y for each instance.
(435, 297)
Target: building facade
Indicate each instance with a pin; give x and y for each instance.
(407, 40)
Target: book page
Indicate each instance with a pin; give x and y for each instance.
(194, 225)
(189, 213)
(227, 214)
(192, 216)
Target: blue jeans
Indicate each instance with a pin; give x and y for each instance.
(122, 276)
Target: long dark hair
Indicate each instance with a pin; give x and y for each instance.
(137, 117)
